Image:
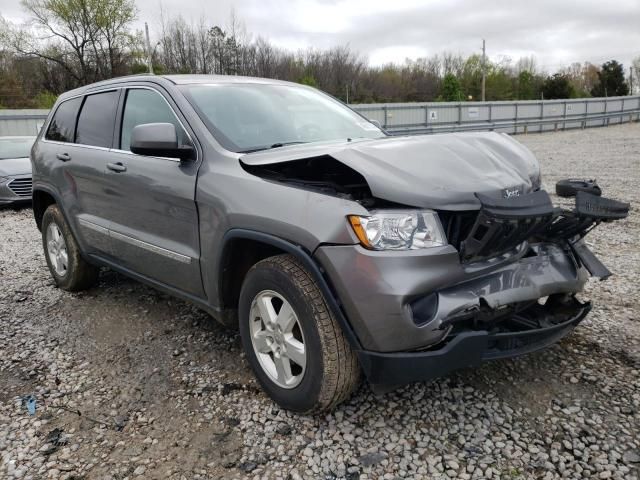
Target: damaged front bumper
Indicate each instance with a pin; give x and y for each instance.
(535, 328)
(422, 313)
(402, 301)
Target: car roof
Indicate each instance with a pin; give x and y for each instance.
(175, 80)
(190, 79)
(18, 137)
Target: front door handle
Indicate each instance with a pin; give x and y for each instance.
(65, 157)
(117, 167)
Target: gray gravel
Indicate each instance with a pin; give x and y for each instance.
(130, 383)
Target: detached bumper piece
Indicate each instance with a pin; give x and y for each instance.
(532, 329)
(503, 224)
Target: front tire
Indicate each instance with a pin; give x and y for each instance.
(292, 341)
(68, 269)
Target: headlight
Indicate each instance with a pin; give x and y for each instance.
(398, 230)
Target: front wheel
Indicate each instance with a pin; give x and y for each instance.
(292, 341)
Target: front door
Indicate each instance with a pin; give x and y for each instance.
(154, 220)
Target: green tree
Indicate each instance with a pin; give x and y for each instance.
(471, 78)
(308, 80)
(527, 88)
(636, 75)
(499, 85)
(451, 91)
(610, 81)
(44, 99)
(557, 86)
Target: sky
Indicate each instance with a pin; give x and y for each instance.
(556, 32)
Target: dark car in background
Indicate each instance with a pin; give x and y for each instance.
(15, 169)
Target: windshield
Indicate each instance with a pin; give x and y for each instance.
(249, 117)
(15, 147)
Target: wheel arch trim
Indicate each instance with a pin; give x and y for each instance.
(57, 200)
(311, 264)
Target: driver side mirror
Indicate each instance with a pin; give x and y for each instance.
(159, 140)
(376, 123)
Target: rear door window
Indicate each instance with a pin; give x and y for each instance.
(146, 106)
(97, 119)
(63, 123)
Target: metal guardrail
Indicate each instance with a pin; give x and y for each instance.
(511, 117)
(21, 122)
(419, 118)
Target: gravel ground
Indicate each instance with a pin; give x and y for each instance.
(132, 383)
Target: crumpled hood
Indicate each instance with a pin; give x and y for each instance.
(14, 166)
(441, 171)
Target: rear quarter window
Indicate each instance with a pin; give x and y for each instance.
(63, 123)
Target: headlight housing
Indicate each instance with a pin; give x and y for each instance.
(398, 230)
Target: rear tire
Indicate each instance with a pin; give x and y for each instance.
(327, 372)
(68, 269)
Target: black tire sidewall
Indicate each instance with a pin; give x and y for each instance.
(268, 276)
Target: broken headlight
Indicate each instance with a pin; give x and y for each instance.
(398, 230)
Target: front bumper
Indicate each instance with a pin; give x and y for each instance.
(403, 301)
(471, 348)
(14, 189)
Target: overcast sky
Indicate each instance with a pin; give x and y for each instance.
(557, 32)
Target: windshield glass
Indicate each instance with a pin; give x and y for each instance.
(15, 147)
(248, 117)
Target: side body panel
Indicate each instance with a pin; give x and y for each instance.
(228, 197)
(154, 220)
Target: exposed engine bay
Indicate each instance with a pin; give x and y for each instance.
(500, 225)
(322, 174)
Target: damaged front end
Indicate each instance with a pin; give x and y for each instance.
(502, 314)
(494, 273)
(505, 223)
(531, 329)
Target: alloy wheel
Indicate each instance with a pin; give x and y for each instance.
(57, 250)
(277, 339)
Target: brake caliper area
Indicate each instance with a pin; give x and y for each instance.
(503, 224)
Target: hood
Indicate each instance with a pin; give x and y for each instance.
(442, 171)
(14, 166)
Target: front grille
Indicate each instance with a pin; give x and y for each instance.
(457, 225)
(21, 187)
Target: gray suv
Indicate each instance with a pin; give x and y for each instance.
(337, 250)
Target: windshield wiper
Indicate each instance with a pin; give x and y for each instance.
(275, 145)
(284, 144)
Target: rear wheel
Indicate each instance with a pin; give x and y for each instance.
(68, 269)
(292, 341)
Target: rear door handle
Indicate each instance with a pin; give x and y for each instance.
(116, 167)
(65, 157)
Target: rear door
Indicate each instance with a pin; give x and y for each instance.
(154, 219)
(80, 135)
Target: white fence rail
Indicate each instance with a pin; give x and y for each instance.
(415, 118)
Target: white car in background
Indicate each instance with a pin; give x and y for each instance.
(15, 169)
